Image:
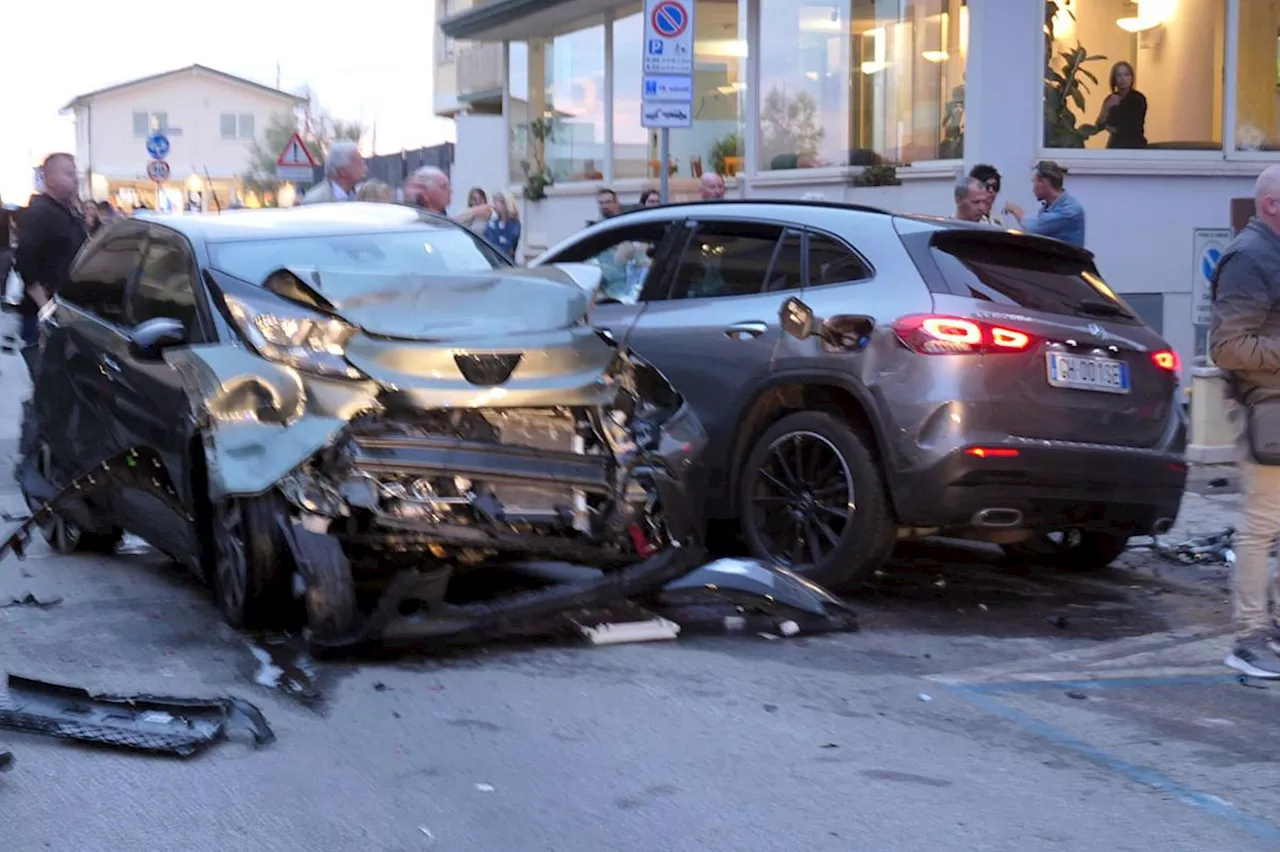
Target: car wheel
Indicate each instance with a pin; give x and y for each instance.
(812, 499)
(62, 535)
(1070, 550)
(250, 577)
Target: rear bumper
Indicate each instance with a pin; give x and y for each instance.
(1048, 484)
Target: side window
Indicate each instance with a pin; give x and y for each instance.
(788, 264)
(624, 256)
(832, 262)
(165, 287)
(98, 282)
(726, 259)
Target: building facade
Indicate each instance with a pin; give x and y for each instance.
(210, 118)
(796, 97)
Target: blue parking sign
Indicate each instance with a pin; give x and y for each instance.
(655, 47)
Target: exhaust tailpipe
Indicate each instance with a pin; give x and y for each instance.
(997, 518)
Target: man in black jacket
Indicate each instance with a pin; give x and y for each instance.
(50, 234)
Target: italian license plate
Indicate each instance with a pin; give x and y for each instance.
(1093, 374)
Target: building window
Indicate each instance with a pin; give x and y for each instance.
(146, 123)
(1139, 75)
(567, 92)
(852, 81)
(232, 126)
(517, 110)
(714, 143)
(1258, 76)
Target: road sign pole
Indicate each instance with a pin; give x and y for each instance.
(664, 158)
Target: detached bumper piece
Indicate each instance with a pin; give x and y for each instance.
(178, 726)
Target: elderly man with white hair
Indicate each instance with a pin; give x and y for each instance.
(429, 187)
(344, 168)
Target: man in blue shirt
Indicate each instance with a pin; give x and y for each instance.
(1061, 216)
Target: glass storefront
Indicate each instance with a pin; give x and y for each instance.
(1122, 75)
(1258, 76)
(859, 81)
(714, 143)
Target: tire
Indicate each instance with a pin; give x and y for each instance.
(864, 537)
(251, 579)
(1079, 551)
(63, 536)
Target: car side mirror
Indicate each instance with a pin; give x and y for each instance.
(149, 339)
(796, 319)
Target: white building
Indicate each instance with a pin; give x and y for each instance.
(883, 77)
(211, 119)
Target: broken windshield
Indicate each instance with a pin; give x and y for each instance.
(397, 253)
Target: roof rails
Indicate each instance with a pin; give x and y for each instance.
(780, 202)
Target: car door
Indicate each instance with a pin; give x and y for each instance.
(149, 407)
(76, 387)
(712, 324)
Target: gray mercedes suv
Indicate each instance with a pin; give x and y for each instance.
(866, 377)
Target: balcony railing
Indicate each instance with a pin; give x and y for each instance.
(479, 68)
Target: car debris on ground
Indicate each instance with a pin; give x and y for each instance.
(178, 726)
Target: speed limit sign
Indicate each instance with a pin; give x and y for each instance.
(158, 171)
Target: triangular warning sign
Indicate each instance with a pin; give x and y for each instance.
(295, 153)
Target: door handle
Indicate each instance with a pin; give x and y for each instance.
(744, 330)
(110, 363)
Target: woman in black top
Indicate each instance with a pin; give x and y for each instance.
(1124, 113)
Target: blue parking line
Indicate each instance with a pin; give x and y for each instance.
(1104, 683)
(985, 700)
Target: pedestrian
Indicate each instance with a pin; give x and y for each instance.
(51, 234)
(650, 198)
(607, 203)
(503, 229)
(7, 233)
(989, 177)
(711, 187)
(971, 199)
(1244, 340)
(429, 187)
(1061, 216)
(92, 221)
(375, 190)
(344, 169)
(478, 213)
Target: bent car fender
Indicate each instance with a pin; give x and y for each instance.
(261, 420)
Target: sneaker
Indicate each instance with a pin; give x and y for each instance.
(1253, 656)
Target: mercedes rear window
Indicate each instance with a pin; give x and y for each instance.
(1025, 274)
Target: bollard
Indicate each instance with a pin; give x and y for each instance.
(1213, 434)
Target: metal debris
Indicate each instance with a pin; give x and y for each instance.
(181, 726)
(31, 600)
(1209, 549)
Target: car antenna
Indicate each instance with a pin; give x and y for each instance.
(212, 191)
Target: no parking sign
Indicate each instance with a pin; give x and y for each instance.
(1208, 244)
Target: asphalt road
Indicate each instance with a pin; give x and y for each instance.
(956, 719)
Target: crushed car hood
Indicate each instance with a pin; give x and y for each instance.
(452, 307)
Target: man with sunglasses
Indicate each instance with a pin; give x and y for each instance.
(1061, 216)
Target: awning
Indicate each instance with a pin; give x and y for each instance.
(517, 20)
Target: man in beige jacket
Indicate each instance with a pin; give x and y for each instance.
(344, 168)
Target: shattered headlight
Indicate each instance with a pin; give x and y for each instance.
(294, 335)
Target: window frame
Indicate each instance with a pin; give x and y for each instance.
(133, 230)
(693, 225)
(222, 128)
(203, 319)
(1207, 157)
(809, 234)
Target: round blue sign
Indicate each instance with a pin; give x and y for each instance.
(157, 146)
(670, 19)
(1209, 261)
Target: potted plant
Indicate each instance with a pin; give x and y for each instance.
(726, 146)
(537, 176)
(1065, 88)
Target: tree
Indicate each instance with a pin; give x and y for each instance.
(789, 125)
(319, 131)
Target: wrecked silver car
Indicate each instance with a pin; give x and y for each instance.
(357, 415)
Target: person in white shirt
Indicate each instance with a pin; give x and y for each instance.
(344, 168)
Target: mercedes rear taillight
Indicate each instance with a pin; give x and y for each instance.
(941, 335)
